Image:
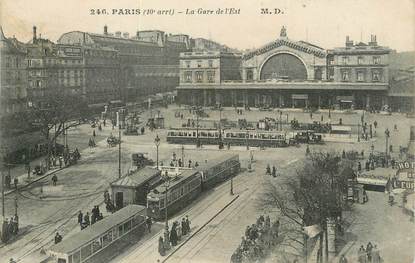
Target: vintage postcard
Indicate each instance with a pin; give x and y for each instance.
(207, 131)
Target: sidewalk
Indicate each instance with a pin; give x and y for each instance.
(199, 215)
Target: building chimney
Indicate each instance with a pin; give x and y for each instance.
(34, 34)
(349, 42)
(126, 35)
(105, 30)
(118, 34)
(373, 41)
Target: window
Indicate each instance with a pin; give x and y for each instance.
(375, 75)
(376, 60)
(345, 60)
(199, 76)
(96, 245)
(211, 76)
(360, 76)
(360, 60)
(249, 74)
(127, 226)
(210, 63)
(187, 63)
(86, 251)
(188, 76)
(199, 63)
(345, 76)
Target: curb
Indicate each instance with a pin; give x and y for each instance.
(34, 181)
(200, 228)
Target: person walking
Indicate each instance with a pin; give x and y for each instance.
(187, 224)
(161, 249)
(369, 248)
(361, 255)
(86, 219)
(80, 217)
(54, 179)
(173, 235)
(58, 238)
(343, 259)
(149, 223)
(184, 228)
(375, 255)
(15, 181)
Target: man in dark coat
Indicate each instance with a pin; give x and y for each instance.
(80, 217)
(58, 238)
(86, 219)
(184, 228)
(173, 235)
(188, 224)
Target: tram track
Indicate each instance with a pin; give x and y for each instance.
(145, 249)
(208, 234)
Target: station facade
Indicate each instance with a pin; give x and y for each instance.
(287, 73)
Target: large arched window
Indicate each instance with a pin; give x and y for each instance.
(284, 66)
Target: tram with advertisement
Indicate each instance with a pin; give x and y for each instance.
(192, 135)
(182, 189)
(255, 138)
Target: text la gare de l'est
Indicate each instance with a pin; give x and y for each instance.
(218, 11)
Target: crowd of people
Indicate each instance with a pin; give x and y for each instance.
(86, 220)
(258, 240)
(370, 254)
(9, 228)
(172, 237)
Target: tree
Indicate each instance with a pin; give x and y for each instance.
(310, 197)
(57, 112)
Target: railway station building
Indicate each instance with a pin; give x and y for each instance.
(288, 73)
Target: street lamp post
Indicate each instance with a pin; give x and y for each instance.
(387, 134)
(157, 143)
(358, 131)
(183, 156)
(280, 120)
(119, 151)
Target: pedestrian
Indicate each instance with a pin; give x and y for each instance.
(12, 260)
(369, 248)
(359, 166)
(322, 118)
(80, 217)
(54, 179)
(395, 127)
(375, 124)
(93, 133)
(274, 171)
(361, 255)
(344, 154)
(162, 251)
(196, 164)
(375, 255)
(343, 259)
(188, 224)
(86, 219)
(184, 228)
(15, 181)
(190, 163)
(178, 230)
(60, 162)
(173, 235)
(58, 238)
(149, 223)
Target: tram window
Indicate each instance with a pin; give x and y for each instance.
(136, 220)
(61, 260)
(86, 251)
(107, 239)
(96, 245)
(127, 226)
(76, 257)
(194, 134)
(182, 191)
(120, 231)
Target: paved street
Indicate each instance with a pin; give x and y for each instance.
(80, 187)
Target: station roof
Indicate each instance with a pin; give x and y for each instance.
(137, 178)
(175, 180)
(76, 241)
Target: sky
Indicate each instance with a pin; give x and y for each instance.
(325, 23)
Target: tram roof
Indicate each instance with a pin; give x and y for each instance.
(215, 161)
(175, 180)
(78, 240)
(137, 178)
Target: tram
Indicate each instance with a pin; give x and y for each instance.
(191, 135)
(219, 170)
(186, 187)
(178, 192)
(255, 138)
(99, 241)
